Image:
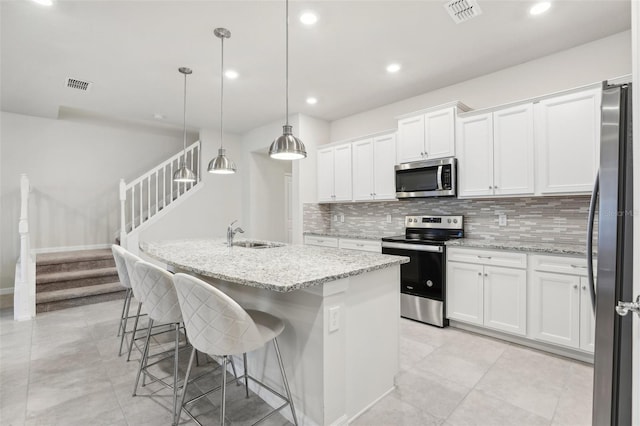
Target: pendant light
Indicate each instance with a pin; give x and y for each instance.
(184, 174)
(221, 164)
(287, 146)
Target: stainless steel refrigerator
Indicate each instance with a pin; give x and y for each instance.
(613, 197)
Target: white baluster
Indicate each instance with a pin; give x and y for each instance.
(123, 220)
(133, 202)
(157, 200)
(141, 205)
(171, 180)
(148, 197)
(24, 297)
(191, 165)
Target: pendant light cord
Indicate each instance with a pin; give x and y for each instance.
(287, 62)
(184, 121)
(221, 90)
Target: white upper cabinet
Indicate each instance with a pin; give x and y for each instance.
(384, 162)
(495, 153)
(374, 160)
(411, 139)
(567, 132)
(428, 135)
(334, 173)
(475, 156)
(513, 151)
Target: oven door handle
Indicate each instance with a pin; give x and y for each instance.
(439, 177)
(412, 247)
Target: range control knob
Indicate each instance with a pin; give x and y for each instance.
(455, 220)
(429, 283)
(448, 220)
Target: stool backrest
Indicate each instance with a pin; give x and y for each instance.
(130, 261)
(157, 292)
(216, 324)
(121, 266)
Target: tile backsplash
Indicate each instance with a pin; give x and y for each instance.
(561, 220)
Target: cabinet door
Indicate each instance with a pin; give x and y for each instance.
(513, 151)
(384, 161)
(475, 156)
(556, 308)
(464, 292)
(342, 173)
(411, 139)
(325, 174)
(363, 170)
(440, 133)
(505, 299)
(567, 132)
(587, 318)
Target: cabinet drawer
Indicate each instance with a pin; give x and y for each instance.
(488, 257)
(315, 240)
(561, 264)
(364, 245)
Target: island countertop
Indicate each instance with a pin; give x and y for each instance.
(283, 268)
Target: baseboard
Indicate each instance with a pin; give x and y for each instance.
(361, 412)
(70, 248)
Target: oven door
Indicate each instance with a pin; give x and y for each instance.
(423, 276)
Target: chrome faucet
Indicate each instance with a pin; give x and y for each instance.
(232, 233)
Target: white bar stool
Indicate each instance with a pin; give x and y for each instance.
(217, 325)
(158, 294)
(119, 255)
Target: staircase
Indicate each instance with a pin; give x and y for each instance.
(74, 278)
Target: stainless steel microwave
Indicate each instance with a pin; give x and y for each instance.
(427, 178)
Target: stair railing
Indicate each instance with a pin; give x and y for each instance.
(145, 197)
(24, 292)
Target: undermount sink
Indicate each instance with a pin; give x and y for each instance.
(256, 244)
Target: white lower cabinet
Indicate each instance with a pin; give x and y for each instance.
(317, 240)
(561, 310)
(482, 294)
(374, 246)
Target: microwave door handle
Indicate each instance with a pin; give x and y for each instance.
(440, 178)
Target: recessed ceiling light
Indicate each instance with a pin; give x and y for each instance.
(393, 68)
(44, 2)
(308, 18)
(312, 100)
(540, 8)
(158, 116)
(231, 74)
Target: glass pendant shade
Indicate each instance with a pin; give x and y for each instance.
(184, 174)
(287, 146)
(221, 164)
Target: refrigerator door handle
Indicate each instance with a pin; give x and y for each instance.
(590, 223)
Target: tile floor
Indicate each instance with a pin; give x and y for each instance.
(63, 369)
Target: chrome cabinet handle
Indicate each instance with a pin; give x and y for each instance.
(483, 257)
(495, 186)
(584, 287)
(479, 274)
(490, 187)
(426, 154)
(486, 275)
(578, 266)
(575, 286)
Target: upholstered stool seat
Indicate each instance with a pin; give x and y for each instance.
(217, 325)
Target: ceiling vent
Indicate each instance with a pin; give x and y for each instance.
(462, 10)
(74, 83)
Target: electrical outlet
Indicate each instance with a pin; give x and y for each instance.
(334, 319)
(388, 218)
(502, 219)
(341, 218)
(335, 217)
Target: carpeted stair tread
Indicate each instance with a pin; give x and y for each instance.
(74, 293)
(51, 277)
(73, 256)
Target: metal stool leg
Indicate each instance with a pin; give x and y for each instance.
(143, 360)
(175, 370)
(184, 387)
(224, 388)
(124, 305)
(135, 328)
(123, 320)
(246, 375)
(286, 383)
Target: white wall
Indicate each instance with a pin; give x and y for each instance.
(599, 60)
(74, 165)
(206, 213)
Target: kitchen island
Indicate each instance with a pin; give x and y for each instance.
(341, 309)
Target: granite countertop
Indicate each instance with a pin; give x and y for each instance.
(340, 234)
(534, 247)
(283, 268)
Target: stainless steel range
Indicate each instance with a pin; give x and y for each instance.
(423, 279)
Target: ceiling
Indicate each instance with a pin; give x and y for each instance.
(131, 51)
